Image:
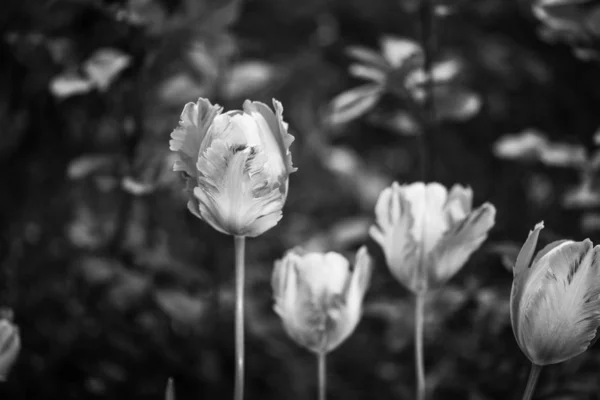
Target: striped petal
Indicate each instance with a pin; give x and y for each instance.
(234, 194)
(561, 308)
(187, 138)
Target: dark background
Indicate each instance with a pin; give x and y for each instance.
(115, 288)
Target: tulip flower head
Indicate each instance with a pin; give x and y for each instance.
(236, 165)
(428, 234)
(10, 346)
(318, 298)
(554, 302)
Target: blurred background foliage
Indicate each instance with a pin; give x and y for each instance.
(116, 287)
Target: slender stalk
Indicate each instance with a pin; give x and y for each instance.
(534, 374)
(428, 42)
(419, 365)
(322, 371)
(240, 245)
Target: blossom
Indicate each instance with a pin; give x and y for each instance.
(428, 234)
(554, 303)
(10, 346)
(236, 165)
(318, 298)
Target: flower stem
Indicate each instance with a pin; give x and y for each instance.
(240, 245)
(322, 371)
(534, 374)
(419, 308)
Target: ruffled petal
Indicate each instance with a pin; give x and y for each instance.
(457, 245)
(561, 313)
(520, 275)
(234, 194)
(276, 139)
(187, 138)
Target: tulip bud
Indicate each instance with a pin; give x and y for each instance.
(554, 304)
(10, 346)
(428, 234)
(236, 165)
(318, 298)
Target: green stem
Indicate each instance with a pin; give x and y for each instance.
(240, 244)
(419, 365)
(322, 371)
(534, 374)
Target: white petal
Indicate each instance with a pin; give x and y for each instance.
(427, 202)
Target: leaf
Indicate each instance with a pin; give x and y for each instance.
(523, 146)
(397, 50)
(136, 188)
(583, 195)
(367, 56)
(180, 89)
(400, 122)
(105, 65)
(367, 72)
(247, 78)
(456, 104)
(354, 103)
(563, 155)
(86, 165)
(69, 84)
(98, 270)
(181, 307)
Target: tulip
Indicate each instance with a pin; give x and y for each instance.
(10, 346)
(236, 165)
(318, 298)
(428, 234)
(554, 303)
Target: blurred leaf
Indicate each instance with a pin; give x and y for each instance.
(136, 188)
(524, 146)
(181, 307)
(398, 50)
(245, 79)
(70, 84)
(180, 89)
(590, 222)
(149, 13)
(89, 164)
(88, 229)
(105, 65)
(456, 104)
(563, 155)
(367, 72)
(98, 270)
(129, 288)
(353, 103)
(400, 122)
(367, 56)
(583, 195)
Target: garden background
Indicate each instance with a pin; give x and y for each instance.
(116, 286)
